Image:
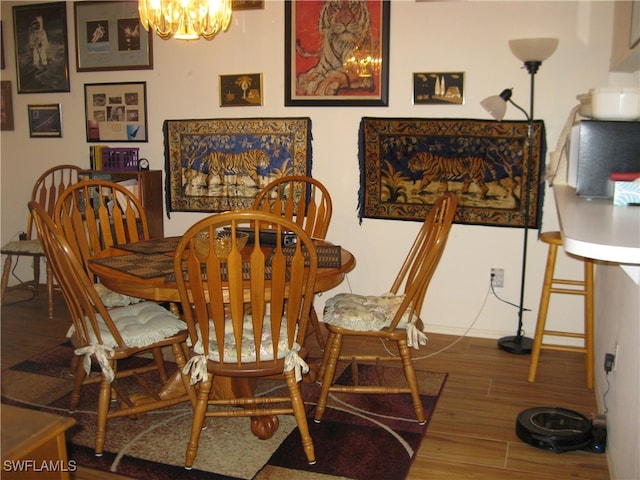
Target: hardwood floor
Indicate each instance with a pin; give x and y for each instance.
(472, 433)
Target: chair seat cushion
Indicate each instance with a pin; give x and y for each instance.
(112, 299)
(23, 247)
(363, 313)
(248, 344)
(140, 325)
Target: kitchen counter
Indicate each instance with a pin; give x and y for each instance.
(597, 229)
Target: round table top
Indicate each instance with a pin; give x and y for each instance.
(160, 289)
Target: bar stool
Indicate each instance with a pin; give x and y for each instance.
(563, 286)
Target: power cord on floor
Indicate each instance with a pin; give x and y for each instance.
(452, 344)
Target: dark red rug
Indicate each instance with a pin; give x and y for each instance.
(361, 437)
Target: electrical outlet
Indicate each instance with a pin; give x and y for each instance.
(609, 361)
(497, 277)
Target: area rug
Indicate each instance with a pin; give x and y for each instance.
(361, 437)
(407, 163)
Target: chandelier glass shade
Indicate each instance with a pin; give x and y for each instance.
(185, 19)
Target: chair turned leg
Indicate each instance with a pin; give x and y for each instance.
(331, 354)
(412, 380)
(589, 334)
(542, 312)
(5, 275)
(301, 417)
(104, 400)
(49, 280)
(199, 415)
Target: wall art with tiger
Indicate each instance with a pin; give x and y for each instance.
(406, 164)
(337, 48)
(221, 164)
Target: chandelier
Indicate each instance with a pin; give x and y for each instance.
(185, 19)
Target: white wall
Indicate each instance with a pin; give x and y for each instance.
(440, 36)
(427, 36)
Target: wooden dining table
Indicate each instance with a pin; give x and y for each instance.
(145, 270)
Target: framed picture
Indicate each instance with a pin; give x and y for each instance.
(42, 51)
(213, 165)
(407, 163)
(241, 90)
(6, 112)
(45, 121)
(116, 112)
(441, 88)
(322, 68)
(109, 36)
(247, 4)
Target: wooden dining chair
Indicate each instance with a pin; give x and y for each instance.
(393, 317)
(46, 191)
(307, 202)
(98, 214)
(246, 313)
(95, 215)
(108, 336)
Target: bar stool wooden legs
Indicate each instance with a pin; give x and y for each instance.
(562, 286)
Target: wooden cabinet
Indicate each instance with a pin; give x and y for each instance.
(150, 192)
(33, 445)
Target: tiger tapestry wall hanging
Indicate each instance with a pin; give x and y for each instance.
(216, 165)
(407, 163)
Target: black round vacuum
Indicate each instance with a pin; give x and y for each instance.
(555, 429)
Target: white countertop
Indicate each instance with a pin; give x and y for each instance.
(597, 229)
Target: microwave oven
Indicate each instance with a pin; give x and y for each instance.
(596, 150)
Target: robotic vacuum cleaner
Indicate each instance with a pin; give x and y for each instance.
(554, 429)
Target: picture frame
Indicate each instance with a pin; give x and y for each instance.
(116, 112)
(6, 111)
(218, 164)
(45, 121)
(247, 5)
(44, 68)
(315, 78)
(438, 88)
(407, 163)
(241, 90)
(109, 36)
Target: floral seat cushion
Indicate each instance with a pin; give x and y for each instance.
(362, 313)
(230, 349)
(112, 299)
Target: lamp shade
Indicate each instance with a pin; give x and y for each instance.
(496, 105)
(533, 49)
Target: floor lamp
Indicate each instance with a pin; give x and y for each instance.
(532, 51)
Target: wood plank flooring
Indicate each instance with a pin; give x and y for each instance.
(472, 433)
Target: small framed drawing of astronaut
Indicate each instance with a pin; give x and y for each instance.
(42, 51)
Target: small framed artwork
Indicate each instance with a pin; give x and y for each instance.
(325, 68)
(247, 5)
(241, 90)
(45, 121)
(42, 58)
(116, 112)
(109, 36)
(6, 112)
(439, 88)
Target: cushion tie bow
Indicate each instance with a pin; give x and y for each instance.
(102, 354)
